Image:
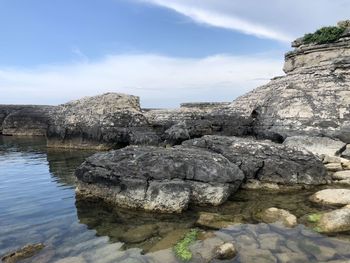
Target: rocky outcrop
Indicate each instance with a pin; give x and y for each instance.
(107, 121)
(311, 99)
(158, 179)
(24, 120)
(194, 120)
(264, 160)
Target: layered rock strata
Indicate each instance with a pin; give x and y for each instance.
(313, 98)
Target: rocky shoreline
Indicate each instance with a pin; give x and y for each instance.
(292, 132)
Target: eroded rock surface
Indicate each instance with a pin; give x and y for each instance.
(264, 160)
(336, 197)
(102, 122)
(312, 99)
(159, 179)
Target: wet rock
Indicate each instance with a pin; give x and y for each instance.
(257, 256)
(139, 233)
(204, 250)
(291, 257)
(169, 240)
(23, 253)
(158, 179)
(336, 197)
(316, 145)
(341, 175)
(335, 221)
(226, 251)
(100, 122)
(213, 220)
(275, 215)
(264, 160)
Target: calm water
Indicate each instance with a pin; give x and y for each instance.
(37, 204)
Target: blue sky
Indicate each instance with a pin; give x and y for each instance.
(165, 51)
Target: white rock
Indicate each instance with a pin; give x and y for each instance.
(337, 197)
(341, 175)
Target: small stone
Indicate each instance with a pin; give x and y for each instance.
(213, 220)
(23, 253)
(139, 234)
(226, 251)
(336, 197)
(341, 175)
(334, 167)
(275, 215)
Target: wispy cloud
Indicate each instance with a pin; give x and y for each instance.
(160, 81)
(273, 19)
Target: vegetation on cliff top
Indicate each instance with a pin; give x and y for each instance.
(324, 35)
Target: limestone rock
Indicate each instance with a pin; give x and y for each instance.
(100, 122)
(226, 251)
(264, 160)
(311, 99)
(158, 179)
(275, 215)
(336, 197)
(316, 145)
(346, 152)
(341, 175)
(335, 221)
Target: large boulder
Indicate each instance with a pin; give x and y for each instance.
(335, 221)
(158, 179)
(335, 197)
(264, 160)
(313, 98)
(102, 122)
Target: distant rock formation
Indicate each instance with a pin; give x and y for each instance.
(312, 99)
(24, 120)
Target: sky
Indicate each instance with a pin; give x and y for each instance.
(165, 51)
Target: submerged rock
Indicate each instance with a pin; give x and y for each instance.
(23, 253)
(264, 160)
(214, 221)
(275, 215)
(226, 251)
(159, 179)
(336, 197)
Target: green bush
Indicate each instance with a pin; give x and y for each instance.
(181, 249)
(324, 35)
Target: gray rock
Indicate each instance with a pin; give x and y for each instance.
(311, 99)
(24, 120)
(226, 251)
(264, 160)
(346, 152)
(316, 145)
(275, 215)
(100, 122)
(341, 175)
(158, 179)
(335, 221)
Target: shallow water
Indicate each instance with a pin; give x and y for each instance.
(37, 204)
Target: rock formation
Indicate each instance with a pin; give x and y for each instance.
(24, 120)
(107, 121)
(158, 179)
(264, 160)
(313, 98)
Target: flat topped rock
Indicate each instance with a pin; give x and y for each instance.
(335, 221)
(275, 215)
(336, 197)
(159, 179)
(341, 175)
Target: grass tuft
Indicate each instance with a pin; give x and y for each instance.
(314, 218)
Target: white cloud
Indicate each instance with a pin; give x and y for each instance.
(160, 81)
(280, 20)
